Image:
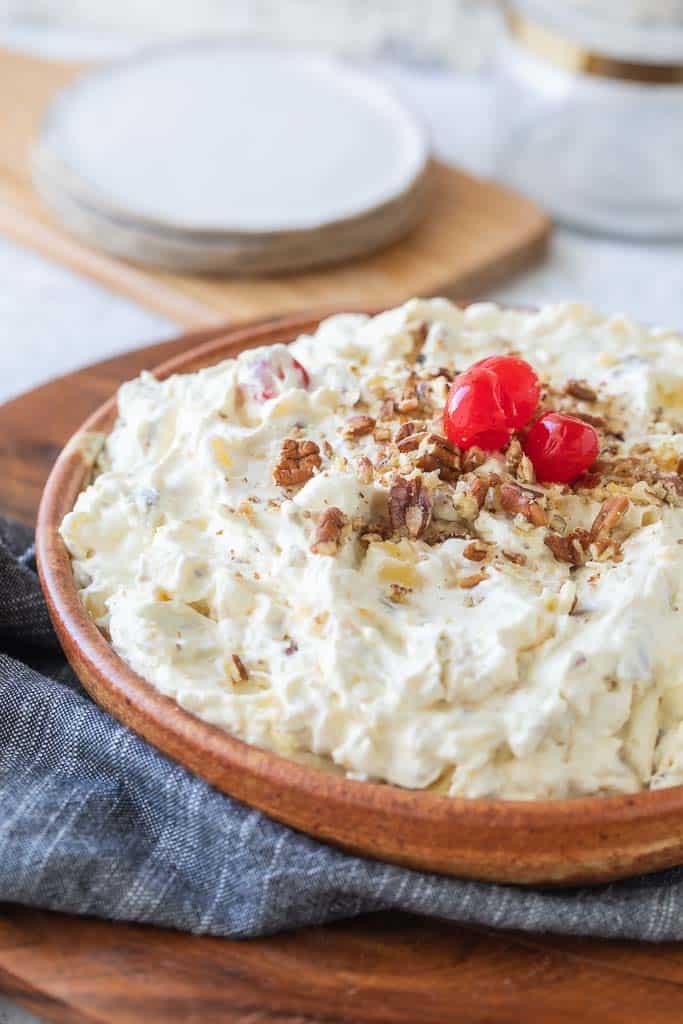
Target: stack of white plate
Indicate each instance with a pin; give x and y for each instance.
(240, 159)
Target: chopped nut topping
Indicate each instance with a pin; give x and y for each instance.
(408, 429)
(397, 593)
(468, 582)
(440, 456)
(513, 455)
(409, 401)
(241, 667)
(298, 462)
(525, 471)
(473, 458)
(478, 488)
(357, 426)
(612, 511)
(571, 549)
(410, 507)
(328, 532)
(387, 409)
(381, 433)
(410, 442)
(475, 551)
(516, 500)
(328, 449)
(365, 470)
(599, 422)
(515, 556)
(581, 390)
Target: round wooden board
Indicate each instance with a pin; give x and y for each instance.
(384, 968)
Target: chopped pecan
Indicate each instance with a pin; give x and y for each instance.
(298, 462)
(328, 532)
(599, 422)
(513, 455)
(526, 473)
(375, 533)
(408, 429)
(475, 551)
(581, 390)
(515, 556)
(473, 458)
(409, 401)
(517, 500)
(571, 549)
(410, 507)
(381, 433)
(357, 426)
(440, 456)
(387, 409)
(468, 582)
(478, 488)
(612, 511)
(241, 667)
(409, 436)
(328, 449)
(365, 470)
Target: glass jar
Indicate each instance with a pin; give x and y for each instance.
(592, 107)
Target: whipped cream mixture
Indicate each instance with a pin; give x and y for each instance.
(287, 546)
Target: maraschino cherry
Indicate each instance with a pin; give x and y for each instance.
(267, 375)
(561, 448)
(490, 400)
(519, 385)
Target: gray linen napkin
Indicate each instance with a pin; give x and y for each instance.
(94, 821)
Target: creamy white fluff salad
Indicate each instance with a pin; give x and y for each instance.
(286, 545)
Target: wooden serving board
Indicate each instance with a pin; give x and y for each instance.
(476, 234)
(383, 968)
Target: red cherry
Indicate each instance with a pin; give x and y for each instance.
(474, 413)
(561, 447)
(519, 385)
(267, 375)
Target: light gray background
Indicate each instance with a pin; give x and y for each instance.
(53, 321)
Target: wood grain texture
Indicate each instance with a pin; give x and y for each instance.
(385, 968)
(476, 234)
(550, 842)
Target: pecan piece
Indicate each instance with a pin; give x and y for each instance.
(581, 390)
(612, 511)
(409, 401)
(599, 422)
(473, 458)
(328, 532)
(468, 582)
(514, 556)
(517, 500)
(567, 549)
(298, 462)
(478, 489)
(410, 507)
(365, 470)
(409, 436)
(440, 456)
(357, 426)
(241, 668)
(475, 551)
(387, 410)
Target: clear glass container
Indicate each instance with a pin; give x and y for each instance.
(591, 104)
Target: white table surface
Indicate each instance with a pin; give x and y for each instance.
(53, 321)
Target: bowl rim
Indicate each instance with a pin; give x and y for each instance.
(185, 733)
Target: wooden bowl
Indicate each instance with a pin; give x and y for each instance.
(590, 839)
